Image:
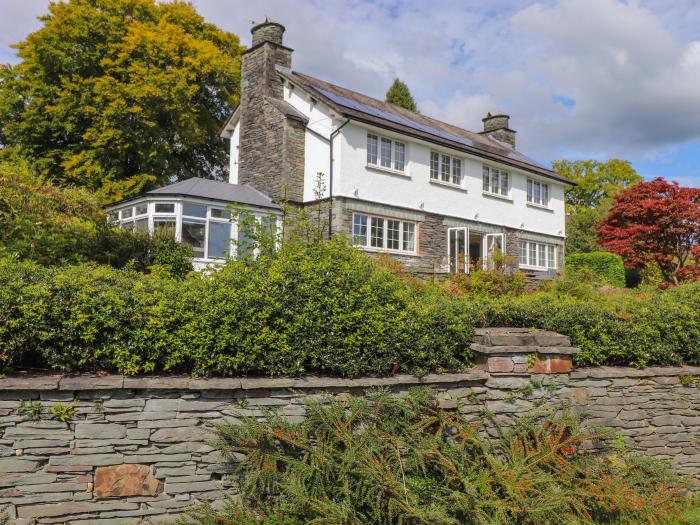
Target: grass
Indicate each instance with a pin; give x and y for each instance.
(692, 517)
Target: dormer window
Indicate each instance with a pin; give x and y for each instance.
(386, 153)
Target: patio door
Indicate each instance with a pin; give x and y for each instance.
(458, 250)
(494, 245)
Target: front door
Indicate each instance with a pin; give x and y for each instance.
(457, 250)
(494, 244)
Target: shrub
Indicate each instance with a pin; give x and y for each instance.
(391, 460)
(307, 308)
(608, 267)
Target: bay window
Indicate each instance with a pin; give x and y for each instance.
(384, 234)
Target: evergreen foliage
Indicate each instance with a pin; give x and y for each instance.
(399, 95)
(607, 267)
(119, 96)
(390, 460)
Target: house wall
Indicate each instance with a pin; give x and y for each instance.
(415, 189)
(138, 449)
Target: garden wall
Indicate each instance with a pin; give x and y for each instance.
(136, 449)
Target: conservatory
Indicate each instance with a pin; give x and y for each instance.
(198, 212)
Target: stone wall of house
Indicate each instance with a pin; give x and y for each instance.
(137, 450)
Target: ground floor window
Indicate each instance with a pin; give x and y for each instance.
(538, 255)
(380, 233)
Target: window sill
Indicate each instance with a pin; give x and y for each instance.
(389, 171)
(540, 207)
(535, 268)
(448, 185)
(496, 196)
(382, 250)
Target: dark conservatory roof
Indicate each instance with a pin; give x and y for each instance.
(216, 191)
(359, 107)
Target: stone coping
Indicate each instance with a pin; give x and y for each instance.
(605, 372)
(502, 350)
(115, 382)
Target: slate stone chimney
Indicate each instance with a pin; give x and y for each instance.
(496, 126)
(269, 143)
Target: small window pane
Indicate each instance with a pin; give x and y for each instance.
(545, 194)
(141, 224)
(434, 165)
(532, 254)
(551, 257)
(164, 226)
(141, 209)
(193, 233)
(495, 181)
(445, 168)
(529, 190)
(504, 183)
(372, 149)
(218, 213)
(386, 153)
(127, 212)
(377, 232)
(393, 234)
(113, 217)
(127, 225)
(541, 255)
(399, 156)
(523, 252)
(165, 207)
(538, 193)
(359, 230)
(486, 178)
(456, 171)
(219, 242)
(409, 237)
(194, 210)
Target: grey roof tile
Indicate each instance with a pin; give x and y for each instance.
(216, 190)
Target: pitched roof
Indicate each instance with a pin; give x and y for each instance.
(366, 109)
(216, 190)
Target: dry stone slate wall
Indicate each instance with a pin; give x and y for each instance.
(137, 450)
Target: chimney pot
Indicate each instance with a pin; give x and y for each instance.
(267, 32)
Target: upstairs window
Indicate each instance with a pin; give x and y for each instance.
(537, 192)
(444, 168)
(386, 153)
(495, 181)
(378, 233)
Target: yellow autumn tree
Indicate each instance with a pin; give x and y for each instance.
(119, 96)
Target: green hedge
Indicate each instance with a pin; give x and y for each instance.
(606, 266)
(653, 328)
(323, 309)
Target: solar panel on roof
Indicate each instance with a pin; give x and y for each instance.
(398, 119)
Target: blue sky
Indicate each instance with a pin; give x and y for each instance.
(580, 78)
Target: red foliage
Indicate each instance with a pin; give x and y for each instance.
(658, 222)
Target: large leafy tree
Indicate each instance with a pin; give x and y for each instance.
(657, 222)
(119, 95)
(399, 95)
(597, 183)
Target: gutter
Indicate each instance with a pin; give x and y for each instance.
(330, 178)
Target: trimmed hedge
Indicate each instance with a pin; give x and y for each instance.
(607, 266)
(323, 309)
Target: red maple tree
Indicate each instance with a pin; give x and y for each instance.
(657, 222)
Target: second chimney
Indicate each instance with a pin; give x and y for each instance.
(496, 126)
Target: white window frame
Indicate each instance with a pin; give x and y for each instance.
(528, 248)
(441, 156)
(455, 262)
(490, 173)
(393, 154)
(487, 258)
(541, 198)
(404, 228)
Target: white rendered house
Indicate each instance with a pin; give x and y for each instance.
(438, 197)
